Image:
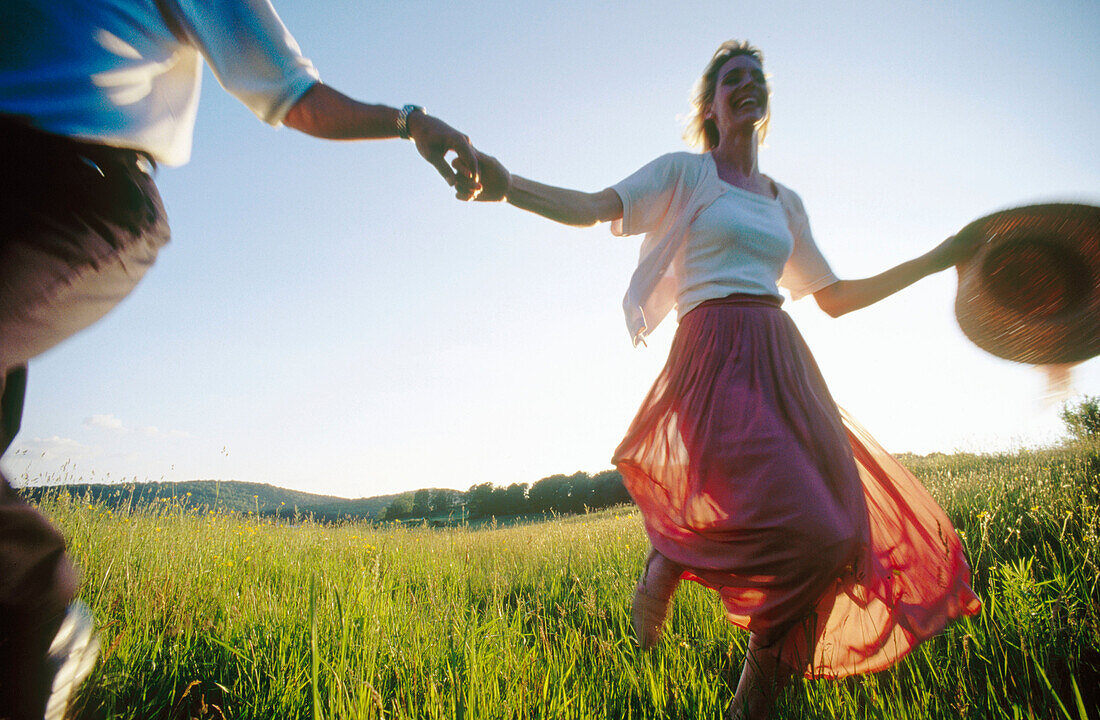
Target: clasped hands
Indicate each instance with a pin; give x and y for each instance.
(474, 175)
(491, 184)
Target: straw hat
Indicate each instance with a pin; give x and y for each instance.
(1031, 292)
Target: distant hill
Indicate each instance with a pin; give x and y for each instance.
(553, 495)
(242, 497)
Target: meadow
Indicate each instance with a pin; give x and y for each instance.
(207, 614)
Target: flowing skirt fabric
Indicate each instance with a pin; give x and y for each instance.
(751, 478)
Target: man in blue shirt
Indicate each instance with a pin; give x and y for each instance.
(94, 94)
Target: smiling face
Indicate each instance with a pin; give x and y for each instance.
(740, 101)
(702, 125)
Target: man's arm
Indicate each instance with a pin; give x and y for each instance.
(327, 113)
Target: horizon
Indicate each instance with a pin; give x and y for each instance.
(902, 456)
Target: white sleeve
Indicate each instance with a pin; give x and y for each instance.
(251, 53)
(806, 270)
(646, 195)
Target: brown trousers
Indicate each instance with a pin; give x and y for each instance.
(80, 224)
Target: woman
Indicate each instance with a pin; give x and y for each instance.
(750, 479)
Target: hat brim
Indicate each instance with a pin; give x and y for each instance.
(1031, 292)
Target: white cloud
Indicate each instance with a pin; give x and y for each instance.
(106, 422)
(50, 449)
(154, 432)
(115, 425)
(52, 460)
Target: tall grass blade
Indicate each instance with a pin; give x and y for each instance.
(314, 656)
(1050, 689)
(1081, 711)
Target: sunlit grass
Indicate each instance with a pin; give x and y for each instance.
(274, 620)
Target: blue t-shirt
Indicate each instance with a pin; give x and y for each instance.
(118, 73)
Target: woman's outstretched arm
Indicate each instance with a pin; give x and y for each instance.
(570, 207)
(845, 296)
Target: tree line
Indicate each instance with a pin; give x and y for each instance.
(559, 494)
(576, 493)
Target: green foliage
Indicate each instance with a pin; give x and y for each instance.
(445, 502)
(1083, 420)
(557, 494)
(422, 503)
(533, 621)
(401, 507)
(479, 500)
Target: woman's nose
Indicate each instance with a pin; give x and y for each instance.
(744, 83)
(752, 81)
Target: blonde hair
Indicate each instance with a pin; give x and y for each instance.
(702, 131)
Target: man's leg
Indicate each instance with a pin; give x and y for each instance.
(13, 388)
(32, 566)
(79, 227)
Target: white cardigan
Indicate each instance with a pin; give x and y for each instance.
(695, 185)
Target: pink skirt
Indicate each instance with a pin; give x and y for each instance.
(751, 478)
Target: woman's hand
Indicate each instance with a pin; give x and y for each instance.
(569, 207)
(493, 183)
(495, 180)
(954, 250)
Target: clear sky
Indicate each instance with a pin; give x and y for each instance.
(328, 318)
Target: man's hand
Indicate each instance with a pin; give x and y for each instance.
(327, 113)
(434, 139)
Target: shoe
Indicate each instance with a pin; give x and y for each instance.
(71, 657)
(652, 596)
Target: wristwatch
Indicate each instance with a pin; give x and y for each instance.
(403, 119)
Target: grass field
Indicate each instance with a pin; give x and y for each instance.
(204, 615)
